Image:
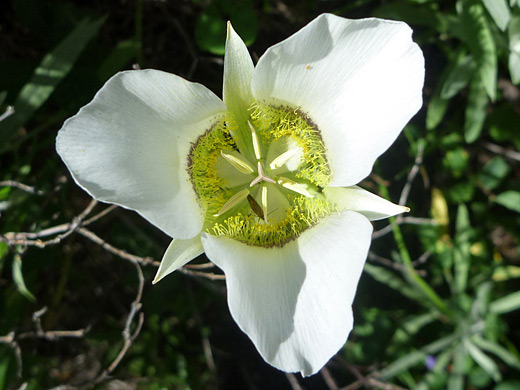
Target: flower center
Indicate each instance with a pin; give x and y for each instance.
(261, 185)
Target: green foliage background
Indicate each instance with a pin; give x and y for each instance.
(437, 306)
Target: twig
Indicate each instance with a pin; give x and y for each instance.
(142, 260)
(293, 381)
(503, 151)
(391, 264)
(403, 198)
(208, 275)
(384, 231)
(200, 266)
(368, 382)
(411, 175)
(193, 54)
(128, 336)
(10, 339)
(116, 251)
(25, 238)
(400, 220)
(329, 380)
(20, 186)
(13, 338)
(99, 215)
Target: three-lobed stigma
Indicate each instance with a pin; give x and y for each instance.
(269, 193)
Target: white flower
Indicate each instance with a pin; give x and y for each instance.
(263, 181)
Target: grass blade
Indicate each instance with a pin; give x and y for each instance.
(52, 69)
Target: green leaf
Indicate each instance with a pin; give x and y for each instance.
(481, 301)
(478, 36)
(424, 14)
(514, 48)
(493, 172)
(4, 365)
(509, 385)
(210, 28)
(52, 69)
(461, 192)
(509, 199)
(499, 11)
(18, 278)
(475, 111)
(391, 280)
(484, 361)
(504, 123)
(410, 326)
(459, 76)
(123, 53)
(456, 379)
(3, 95)
(456, 161)
(417, 357)
(436, 110)
(461, 253)
(506, 304)
(438, 104)
(497, 350)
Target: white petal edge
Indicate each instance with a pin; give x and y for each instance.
(294, 302)
(360, 82)
(364, 202)
(179, 252)
(130, 146)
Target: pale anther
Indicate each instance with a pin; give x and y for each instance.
(282, 158)
(261, 177)
(233, 201)
(264, 202)
(256, 143)
(293, 186)
(238, 163)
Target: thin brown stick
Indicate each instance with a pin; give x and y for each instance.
(411, 175)
(20, 186)
(200, 266)
(511, 154)
(25, 238)
(293, 381)
(368, 382)
(400, 220)
(116, 251)
(128, 335)
(12, 338)
(329, 380)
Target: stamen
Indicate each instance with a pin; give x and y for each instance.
(282, 158)
(257, 209)
(264, 201)
(256, 142)
(232, 202)
(293, 186)
(238, 163)
(261, 177)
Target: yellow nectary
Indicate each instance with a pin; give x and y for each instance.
(269, 198)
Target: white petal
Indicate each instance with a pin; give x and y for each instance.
(357, 199)
(238, 71)
(130, 146)
(360, 81)
(295, 302)
(179, 252)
